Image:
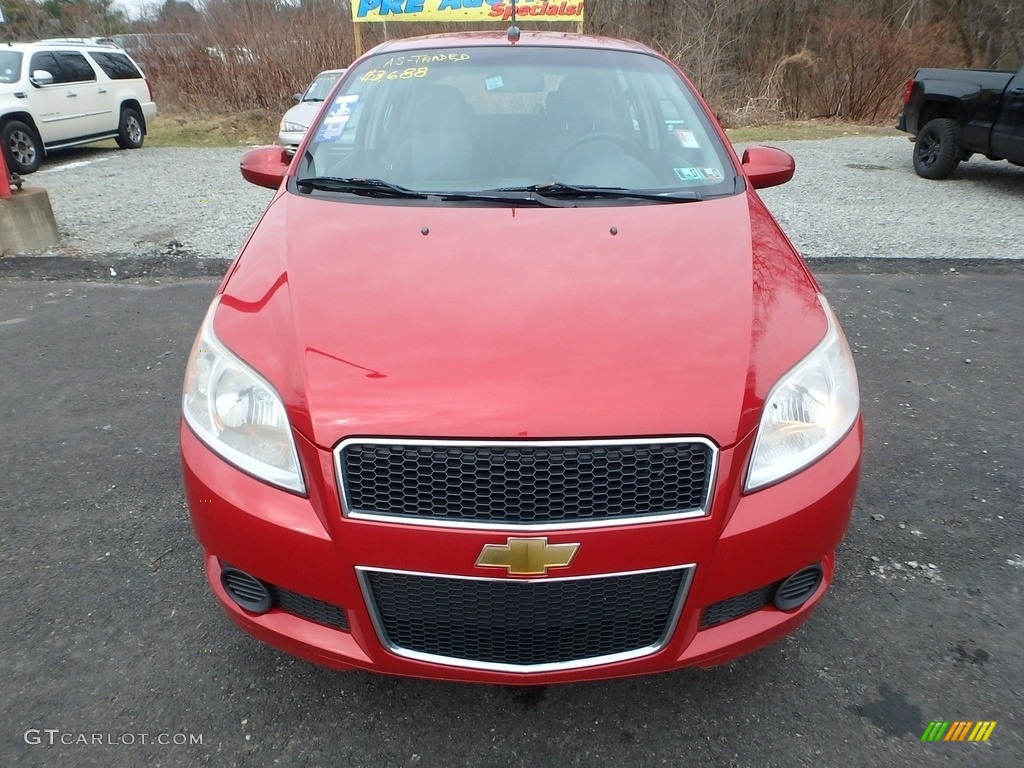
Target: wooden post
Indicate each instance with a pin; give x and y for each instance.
(358, 34)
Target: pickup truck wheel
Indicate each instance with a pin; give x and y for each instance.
(129, 133)
(936, 154)
(22, 148)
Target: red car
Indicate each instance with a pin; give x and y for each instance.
(517, 380)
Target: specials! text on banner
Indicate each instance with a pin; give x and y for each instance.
(465, 10)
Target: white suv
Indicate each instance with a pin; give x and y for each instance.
(58, 94)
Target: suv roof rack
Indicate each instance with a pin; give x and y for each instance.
(105, 42)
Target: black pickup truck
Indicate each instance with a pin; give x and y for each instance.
(955, 113)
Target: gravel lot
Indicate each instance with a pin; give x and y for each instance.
(851, 197)
(153, 201)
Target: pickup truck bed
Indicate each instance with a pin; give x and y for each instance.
(955, 113)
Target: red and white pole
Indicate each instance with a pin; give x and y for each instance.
(5, 179)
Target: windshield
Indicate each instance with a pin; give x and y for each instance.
(496, 119)
(10, 66)
(321, 86)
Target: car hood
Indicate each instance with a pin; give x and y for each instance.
(455, 321)
(303, 113)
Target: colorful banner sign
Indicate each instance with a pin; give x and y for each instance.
(465, 10)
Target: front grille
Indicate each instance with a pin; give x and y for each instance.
(309, 608)
(525, 484)
(525, 625)
(735, 607)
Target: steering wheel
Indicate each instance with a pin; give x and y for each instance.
(626, 168)
(627, 145)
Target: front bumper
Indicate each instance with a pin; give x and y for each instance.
(290, 140)
(306, 547)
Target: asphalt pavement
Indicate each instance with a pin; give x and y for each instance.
(115, 653)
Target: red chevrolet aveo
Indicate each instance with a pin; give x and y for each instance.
(517, 380)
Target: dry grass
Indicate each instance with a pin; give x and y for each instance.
(795, 130)
(178, 129)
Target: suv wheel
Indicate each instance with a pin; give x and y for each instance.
(129, 133)
(21, 147)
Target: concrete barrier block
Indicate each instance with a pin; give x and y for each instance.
(27, 223)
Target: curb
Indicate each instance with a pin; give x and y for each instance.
(118, 267)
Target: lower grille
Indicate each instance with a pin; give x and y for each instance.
(523, 625)
(735, 607)
(258, 596)
(309, 608)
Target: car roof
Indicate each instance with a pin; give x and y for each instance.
(527, 39)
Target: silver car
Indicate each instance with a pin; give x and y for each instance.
(297, 119)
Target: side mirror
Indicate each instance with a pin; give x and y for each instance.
(297, 97)
(265, 166)
(41, 77)
(767, 166)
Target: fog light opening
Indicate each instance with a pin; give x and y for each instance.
(798, 588)
(248, 592)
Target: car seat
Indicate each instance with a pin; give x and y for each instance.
(437, 149)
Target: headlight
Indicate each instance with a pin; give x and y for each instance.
(287, 127)
(237, 413)
(808, 411)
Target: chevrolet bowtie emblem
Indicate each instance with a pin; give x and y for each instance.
(527, 557)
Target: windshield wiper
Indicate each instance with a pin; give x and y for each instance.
(563, 191)
(357, 186)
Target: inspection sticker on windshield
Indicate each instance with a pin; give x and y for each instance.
(686, 138)
(688, 174)
(494, 83)
(711, 173)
